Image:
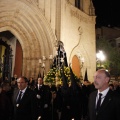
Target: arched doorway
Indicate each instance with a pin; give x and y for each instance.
(76, 66)
(18, 60)
(10, 55)
(29, 25)
(5, 60)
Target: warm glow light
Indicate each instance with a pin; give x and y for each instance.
(44, 58)
(43, 65)
(40, 61)
(100, 56)
(50, 57)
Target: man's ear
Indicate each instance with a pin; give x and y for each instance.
(107, 79)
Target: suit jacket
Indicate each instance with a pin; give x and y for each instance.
(109, 110)
(43, 101)
(27, 108)
(44, 93)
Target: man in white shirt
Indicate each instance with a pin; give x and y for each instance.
(24, 101)
(105, 106)
(43, 99)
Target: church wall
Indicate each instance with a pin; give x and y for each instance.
(86, 6)
(37, 24)
(72, 2)
(78, 35)
(29, 25)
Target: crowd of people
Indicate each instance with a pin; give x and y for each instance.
(29, 99)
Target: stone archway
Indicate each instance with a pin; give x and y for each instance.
(27, 23)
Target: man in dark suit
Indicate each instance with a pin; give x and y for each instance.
(104, 104)
(43, 99)
(24, 100)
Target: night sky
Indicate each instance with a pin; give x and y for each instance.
(107, 12)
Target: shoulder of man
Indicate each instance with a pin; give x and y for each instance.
(93, 93)
(116, 94)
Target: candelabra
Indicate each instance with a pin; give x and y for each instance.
(42, 65)
(51, 60)
(42, 62)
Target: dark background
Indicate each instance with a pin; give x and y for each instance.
(107, 12)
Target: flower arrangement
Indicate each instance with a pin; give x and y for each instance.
(54, 75)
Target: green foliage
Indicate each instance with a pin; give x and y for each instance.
(50, 78)
(112, 54)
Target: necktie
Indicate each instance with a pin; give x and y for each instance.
(19, 97)
(40, 87)
(98, 102)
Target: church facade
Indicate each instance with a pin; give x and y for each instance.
(38, 25)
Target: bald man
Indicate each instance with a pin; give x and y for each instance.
(104, 104)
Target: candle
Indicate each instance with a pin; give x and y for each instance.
(43, 65)
(44, 58)
(50, 57)
(40, 61)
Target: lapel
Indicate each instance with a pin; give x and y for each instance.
(106, 101)
(25, 94)
(15, 95)
(94, 101)
(92, 105)
(24, 99)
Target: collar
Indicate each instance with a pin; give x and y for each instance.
(39, 85)
(23, 91)
(103, 92)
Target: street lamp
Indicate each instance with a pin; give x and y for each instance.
(100, 56)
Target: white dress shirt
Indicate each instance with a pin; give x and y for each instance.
(103, 95)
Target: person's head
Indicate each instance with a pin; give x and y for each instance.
(6, 78)
(111, 86)
(15, 76)
(86, 82)
(54, 94)
(30, 78)
(40, 81)
(6, 86)
(101, 79)
(22, 82)
(116, 84)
